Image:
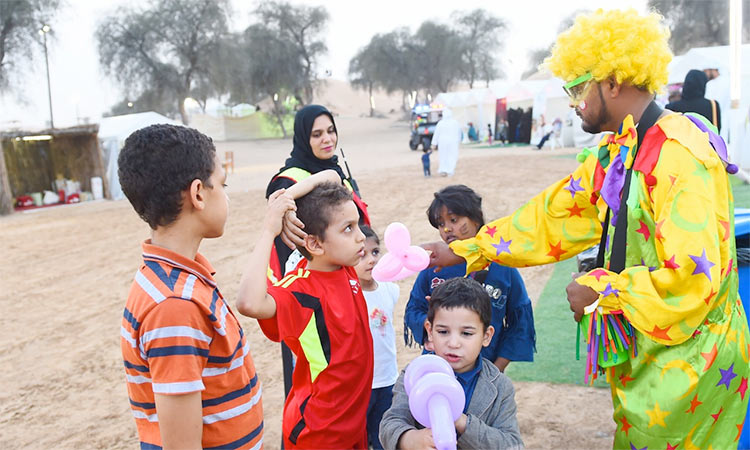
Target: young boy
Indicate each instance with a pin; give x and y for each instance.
(190, 376)
(458, 321)
(456, 212)
(319, 311)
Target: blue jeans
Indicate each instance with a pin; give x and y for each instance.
(380, 402)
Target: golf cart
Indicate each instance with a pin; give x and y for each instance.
(423, 121)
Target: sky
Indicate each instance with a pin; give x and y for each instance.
(80, 90)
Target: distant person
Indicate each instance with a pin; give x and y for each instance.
(190, 376)
(717, 88)
(473, 135)
(446, 139)
(546, 132)
(694, 100)
(489, 134)
(426, 161)
(459, 323)
(502, 131)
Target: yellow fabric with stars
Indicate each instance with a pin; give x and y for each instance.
(687, 384)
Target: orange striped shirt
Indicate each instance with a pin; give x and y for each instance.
(179, 336)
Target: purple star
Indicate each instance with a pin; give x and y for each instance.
(702, 264)
(502, 246)
(610, 291)
(650, 268)
(575, 186)
(726, 376)
(633, 447)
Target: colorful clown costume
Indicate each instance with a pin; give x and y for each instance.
(686, 386)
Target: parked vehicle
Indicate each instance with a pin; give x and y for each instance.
(424, 118)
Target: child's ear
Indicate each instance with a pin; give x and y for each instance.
(313, 245)
(195, 193)
(488, 333)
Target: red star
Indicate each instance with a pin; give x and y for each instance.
(708, 299)
(743, 388)
(556, 251)
(598, 273)
(729, 268)
(696, 332)
(670, 263)
(624, 379)
(672, 179)
(575, 210)
(660, 333)
(725, 224)
(671, 447)
(693, 404)
(739, 430)
(625, 425)
(710, 357)
(716, 416)
(644, 230)
(658, 233)
(491, 231)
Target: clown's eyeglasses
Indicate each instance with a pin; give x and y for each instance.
(577, 88)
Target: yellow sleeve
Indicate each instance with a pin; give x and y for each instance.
(556, 224)
(670, 301)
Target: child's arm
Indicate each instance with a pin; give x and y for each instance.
(292, 232)
(180, 420)
(253, 300)
(416, 308)
(518, 340)
(398, 429)
(500, 430)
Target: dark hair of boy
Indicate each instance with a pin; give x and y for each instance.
(314, 209)
(461, 293)
(369, 233)
(157, 164)
(459, 200)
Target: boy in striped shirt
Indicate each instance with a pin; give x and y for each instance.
(191, 380)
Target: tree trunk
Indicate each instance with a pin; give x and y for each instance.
(369, 90)
(6, 197)
(183, 112)
(279, 117)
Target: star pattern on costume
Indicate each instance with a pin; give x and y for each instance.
(625, 425)
(731, 335)
(673, 299)
(598, 273)
(693, 404)
(743, 388)
(726, 376)
(574, 186)
(670, 263)
(702, 264)
(660, 333)
(671, 447)
(644, 230)
(502, 246)
(491, 231)
(609, 290)
(725, 224)
(716, 416)
(633, 447)
(556, 250)
(528, 246)
(729, 267)
(701, 172)
(575, 210)
(649, 358)
(656, 416)
(710, 295)
(710, 357)
(657, 232)
(739, 430)
(624, 379)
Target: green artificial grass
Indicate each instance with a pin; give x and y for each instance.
(555, 360)
(741, 192)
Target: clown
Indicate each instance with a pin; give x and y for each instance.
(670, 277)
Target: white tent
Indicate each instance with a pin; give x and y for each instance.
(475, 105)
(112, 134)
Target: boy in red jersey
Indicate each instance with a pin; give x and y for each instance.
(319, 311)
(190, 377)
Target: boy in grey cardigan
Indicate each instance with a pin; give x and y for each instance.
(458, 323)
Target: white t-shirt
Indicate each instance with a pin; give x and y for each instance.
(380, 305)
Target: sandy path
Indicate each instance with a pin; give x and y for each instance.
(66, 273)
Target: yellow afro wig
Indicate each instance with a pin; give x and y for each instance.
(631, 47)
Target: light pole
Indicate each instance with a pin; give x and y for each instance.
(43, 31)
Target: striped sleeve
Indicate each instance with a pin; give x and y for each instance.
(175, 338)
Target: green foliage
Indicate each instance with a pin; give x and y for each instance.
(741, 191)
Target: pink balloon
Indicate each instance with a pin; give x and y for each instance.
(402, 259)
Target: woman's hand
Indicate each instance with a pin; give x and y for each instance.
(291, 232)
(441, 255)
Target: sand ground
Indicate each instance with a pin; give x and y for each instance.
(66, 273)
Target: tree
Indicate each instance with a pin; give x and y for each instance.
(362, 72)
(166, 48)
(437, 51)
(20, 21)
(536, 58)
(300, 27)
(480, 34)
(699, 23)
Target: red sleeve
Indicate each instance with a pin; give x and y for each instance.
(291, 317)
(174, 337)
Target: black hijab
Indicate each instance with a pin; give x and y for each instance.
(302, 155)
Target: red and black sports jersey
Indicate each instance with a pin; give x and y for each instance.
(322, 317)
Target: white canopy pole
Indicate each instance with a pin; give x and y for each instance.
(736, 117)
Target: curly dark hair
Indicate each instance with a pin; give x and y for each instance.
(461, 293)
(314, 209)
(157, 164)
(459, 200)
